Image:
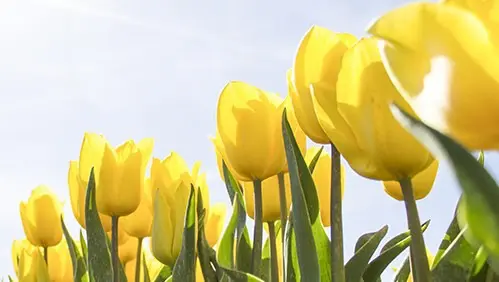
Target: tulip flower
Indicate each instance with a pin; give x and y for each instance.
(317, 62)
(421, 183)
(41, 217)
(249, 126)
(32, 267)
(375, 144)
(77, 195)
(171, 183)
(322, 180)
(128, 249)
(18, 247)
(119, 173)
(59, 263)
(130, 270)
(139, 223)
(215, 223)
(270, 198)
(443, 58)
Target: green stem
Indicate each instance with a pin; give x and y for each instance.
(46, 255)
(284, 214)
(258, 229)
(337, 259)
(419, 259)
(137, 261)
(114, 248)
(274, 268)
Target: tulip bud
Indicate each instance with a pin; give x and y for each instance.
(41, 217)
(139, 223)
(215, 223)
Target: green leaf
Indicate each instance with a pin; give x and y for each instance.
(479, 263)
(77, 260)
(291, 260)
(306, 208)
(185, 266)
(121, 269)
(450, 235)
(314, 161)
(391, 250)
(163, 274)
(356, 266)
(83, 245)
(243, 252)
(225, 253)
(403, 272)
(99, 257)
(478, 186)
(204, 249)
(10, 279)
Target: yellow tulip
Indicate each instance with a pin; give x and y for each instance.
(249, 126)
(59, 263)
(139, 223)
(18, 247)
(41, 217)
(119, 173)
(127, 251)
(130, 268)
(77, 195)
(317, 62)
(32, 267)
(171, 182)
(322, 180)
(215, 223)
(421, 184)
(444, 59)
(377, 147)
(271, 203)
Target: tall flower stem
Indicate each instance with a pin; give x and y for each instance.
(137, 260)
(274, 268)
(337, 260)
(114, 248)
(46, 255)
(258, 229)
(419, 259)
(284, 213)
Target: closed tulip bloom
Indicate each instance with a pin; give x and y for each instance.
(378, 146)
(249, 125)
(119, 173)
(77, 195)
(32, 267)
(19, 246)
(322, 180)
(421, 184)
(127, 251)
(444, 58)
(41, 217)
(215, 223)
(271, 206)
(317, 62)
(59, 263)
(139, 223)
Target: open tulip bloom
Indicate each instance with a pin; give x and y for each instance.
(421, 90)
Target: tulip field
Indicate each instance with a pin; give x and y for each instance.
(394, 105)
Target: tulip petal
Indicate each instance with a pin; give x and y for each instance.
(76, 193)
(215, 224)
(162, 231)
(92, 149)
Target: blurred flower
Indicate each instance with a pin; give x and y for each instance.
(139, 223)
(77, 195)
(127, 250)
(171, 183)
(18, 247)
(32, 267)
(317, 62)
(421, 184)
(322, 180)
(41, 217)
(119, 173)
(271, 203)
(249, 126)
(444, 58)
(215, 223)
(59, 263)
(375, 145)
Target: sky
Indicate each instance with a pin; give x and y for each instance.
(135, 69)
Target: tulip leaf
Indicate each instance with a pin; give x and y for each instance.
(10, 279)
(77, 260)
(364, 250)
(163, 274)
(121, 269)
(204, 249)
(83, 244)
(478, 186)
(391, 250)
(243, 252)
(480, 266)
(146, 275)
(450, 235)
(403, 272)
(306, 208)
(99, 257)
(291, 260)
(185, 266)
(315, 159)
(225, 253)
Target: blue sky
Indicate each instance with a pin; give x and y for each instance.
(134, 69)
